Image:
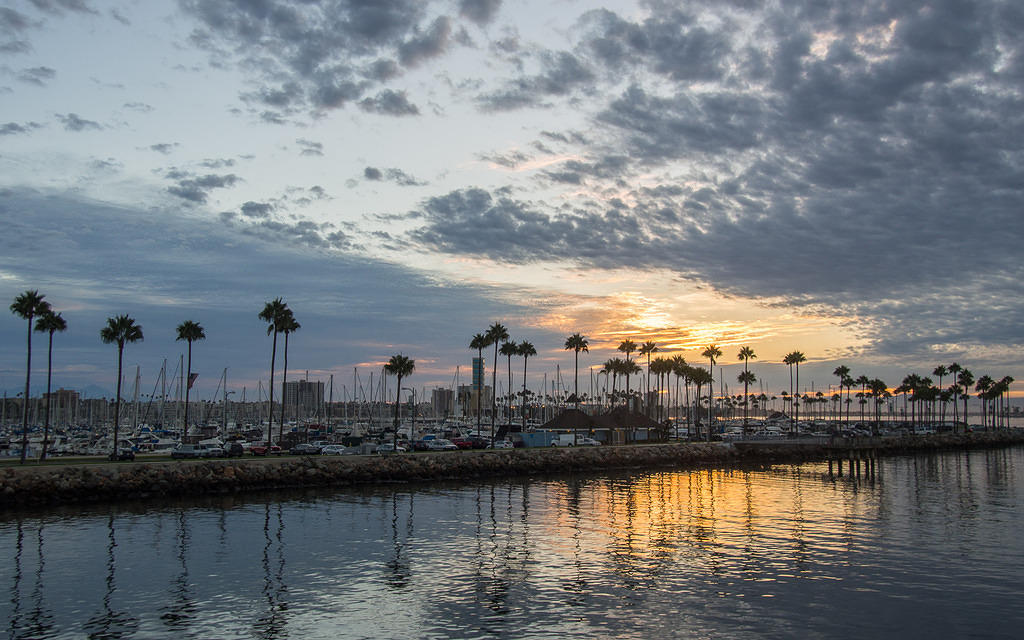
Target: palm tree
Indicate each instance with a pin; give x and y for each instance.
(712, 353)
(879, 390)
(274, 314)
(1004, 388)
(700, 377)
(681, 371)
(983, 386)
(577, 343)
(401, 367)
(954, 370)
(796, 357)
(526, 350)
(941, 371)
(288, 326)
(478, 342)
(746, 354)
(863, 381)
(509, 349)
(496, 334)
(965, 379)
(609, 368)
(842, 372)
(190, 332)
(627, 347)
(28, 305)
(121, 331)
(647, 349)
(50, 323)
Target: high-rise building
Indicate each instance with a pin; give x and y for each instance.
(303, 398)
(443, 401)
(478, 373)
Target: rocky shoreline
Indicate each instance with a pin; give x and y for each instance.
(91, 483)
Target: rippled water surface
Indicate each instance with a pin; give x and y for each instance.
(930, 547)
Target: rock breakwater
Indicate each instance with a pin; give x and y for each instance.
(80, 483)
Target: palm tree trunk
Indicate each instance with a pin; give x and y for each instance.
(398, 397)
(24, 412)
(270, 397)
(284, 398)
(525, 358)
(188, 386)
(49, 400)
(117, 398)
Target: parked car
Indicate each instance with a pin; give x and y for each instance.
(421, 445)
(213, 451)
(183, 451)
(503, 444)
(585, 441)
(305, 449)
(462, 443)
(233, 449)
(440, 444)
(333, 450)
(261, 450)
(123, 453)
(387, 447)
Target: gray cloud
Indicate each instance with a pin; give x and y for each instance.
(390, 103)
(38, 76)
(257, 209)
(164, 147)
(309, 147)
(12, 128)
(480, 11)
(397, 176)
(197, 188)
(562, 73)
(72, 122)
(321, 56)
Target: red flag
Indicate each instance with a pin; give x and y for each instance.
(192, 378)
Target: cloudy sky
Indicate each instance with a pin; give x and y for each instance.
(840, 178)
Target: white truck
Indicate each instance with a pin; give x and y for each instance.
(569, 440)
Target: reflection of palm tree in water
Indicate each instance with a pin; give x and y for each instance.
(41, 620)
(16, 587)
(399, 571)
(182, 607)
(271, 624)
(110, 623)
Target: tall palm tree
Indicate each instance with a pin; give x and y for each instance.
(401, 367)
(478, 342)
(627, 347)
(1004, 389)
(842, 372)
(746, 354)
(274, 314)
(797, 357)
(700, 377)
(609, 369)
(508, 350)
(863, 381)
(496, 334)
(28, 305)
(879, 390)
(577, 343)
(712, 353)
(647, 349)
(50, 323)
(190, 332)
(983, 386)
(941, 371)
(954, 370)
(526, 350)
(288, 326)
(680, 370)
(121, 330)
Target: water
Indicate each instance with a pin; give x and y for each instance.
(930, 548)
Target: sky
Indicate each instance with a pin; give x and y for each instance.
(844, 179)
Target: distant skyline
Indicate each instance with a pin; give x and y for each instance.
(844, 180)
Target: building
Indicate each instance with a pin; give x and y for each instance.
(468, 400)
(443, 401)
(303, 398)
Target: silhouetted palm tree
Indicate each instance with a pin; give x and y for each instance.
(190, 332)
(508, 350)
(796, 357)
(526, 350)
(940, 372)
(700, 377)
(478, 342)
(121, 330)
(274, 314)
(28, 305)
(400, 367)
(496, 334)
(647, 349)
(842, 372)
(712, 353)
(983, 386)
(746, 354)
(627, 347)
(954, 370)
(577, 343)
(288, 326)
(863, 381)
(49, 323)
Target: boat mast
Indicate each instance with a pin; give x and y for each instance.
(224, 409)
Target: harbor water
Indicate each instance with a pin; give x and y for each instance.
(929, 546)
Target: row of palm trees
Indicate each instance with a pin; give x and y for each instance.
(123, 330)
